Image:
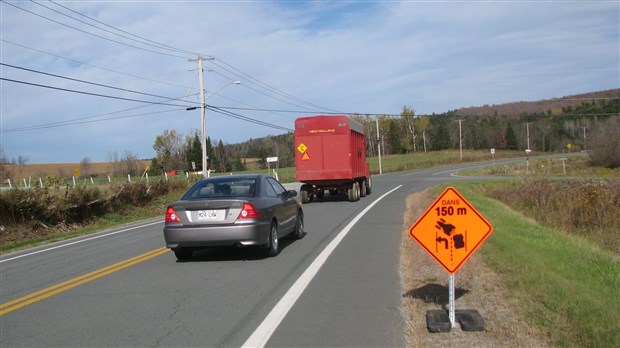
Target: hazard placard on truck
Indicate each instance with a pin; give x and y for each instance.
(330, 157)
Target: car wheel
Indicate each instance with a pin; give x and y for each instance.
(182, 254)
(299, 225)
(273, 247)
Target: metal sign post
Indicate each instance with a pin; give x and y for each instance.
(451, 301)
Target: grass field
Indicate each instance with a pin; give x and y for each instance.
(568, 286)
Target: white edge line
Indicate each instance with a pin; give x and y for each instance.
(77, 242)
(263, 332)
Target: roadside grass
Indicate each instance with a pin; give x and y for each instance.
(420, 159)
(567, 285)
(569, 166)
(17, 237)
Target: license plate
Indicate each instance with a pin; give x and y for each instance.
(211, 214)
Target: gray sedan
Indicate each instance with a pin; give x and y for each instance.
(237, 210)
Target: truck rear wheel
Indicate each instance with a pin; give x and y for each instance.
(354, 192)
(351, 193)
(369, 185)
(303, 192)
(363, 188)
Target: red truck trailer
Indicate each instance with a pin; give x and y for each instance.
(330, 154)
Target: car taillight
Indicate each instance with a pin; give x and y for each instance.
(248, 212)
(171, 215)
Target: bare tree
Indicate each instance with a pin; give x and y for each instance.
(114, 160)
(130, 164)
(85, 166)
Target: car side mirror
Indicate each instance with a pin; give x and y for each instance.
(291, 193)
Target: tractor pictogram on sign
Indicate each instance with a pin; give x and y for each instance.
(450, 230)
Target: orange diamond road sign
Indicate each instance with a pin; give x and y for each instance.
(302, 148)
(450, 230)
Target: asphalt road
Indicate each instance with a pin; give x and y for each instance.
(338, 286)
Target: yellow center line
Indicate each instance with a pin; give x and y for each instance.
(21, 302)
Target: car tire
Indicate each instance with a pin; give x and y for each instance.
(182, 254)
(299, 226)
(273, 244)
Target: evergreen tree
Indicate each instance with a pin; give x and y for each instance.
(511, 138)
(394, 137)
(155, 168)
(194, 151)
(441, 138)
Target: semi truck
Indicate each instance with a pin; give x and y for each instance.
(330, 155)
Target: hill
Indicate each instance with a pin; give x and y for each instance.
(552, 106)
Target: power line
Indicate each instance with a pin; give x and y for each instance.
(266, 86)
(144, 41)
(156, 44)
(92, 65)
(83, 81)
(86, 93)
(246, 118)
(83, 120)
(92, 34)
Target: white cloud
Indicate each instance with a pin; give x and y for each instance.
(369, 57)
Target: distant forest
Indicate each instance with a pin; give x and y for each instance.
(581, 122)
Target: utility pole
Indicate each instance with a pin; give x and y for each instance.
(527, 124)
(203, 120)
(460, 139)
(584, 138)
(378, 144)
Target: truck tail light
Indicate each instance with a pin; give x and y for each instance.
(171, 215)
(248, 212)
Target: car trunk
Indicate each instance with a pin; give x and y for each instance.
(207, 212)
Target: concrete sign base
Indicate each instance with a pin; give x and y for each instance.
(439, 321)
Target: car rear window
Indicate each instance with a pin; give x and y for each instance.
(218, 188)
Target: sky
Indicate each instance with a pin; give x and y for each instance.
(95, 79)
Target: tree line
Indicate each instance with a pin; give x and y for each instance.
(592, 126)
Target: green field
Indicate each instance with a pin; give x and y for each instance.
(568, 286)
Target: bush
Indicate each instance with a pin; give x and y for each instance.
(605, 144)
(60, 204)
(588, 208)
